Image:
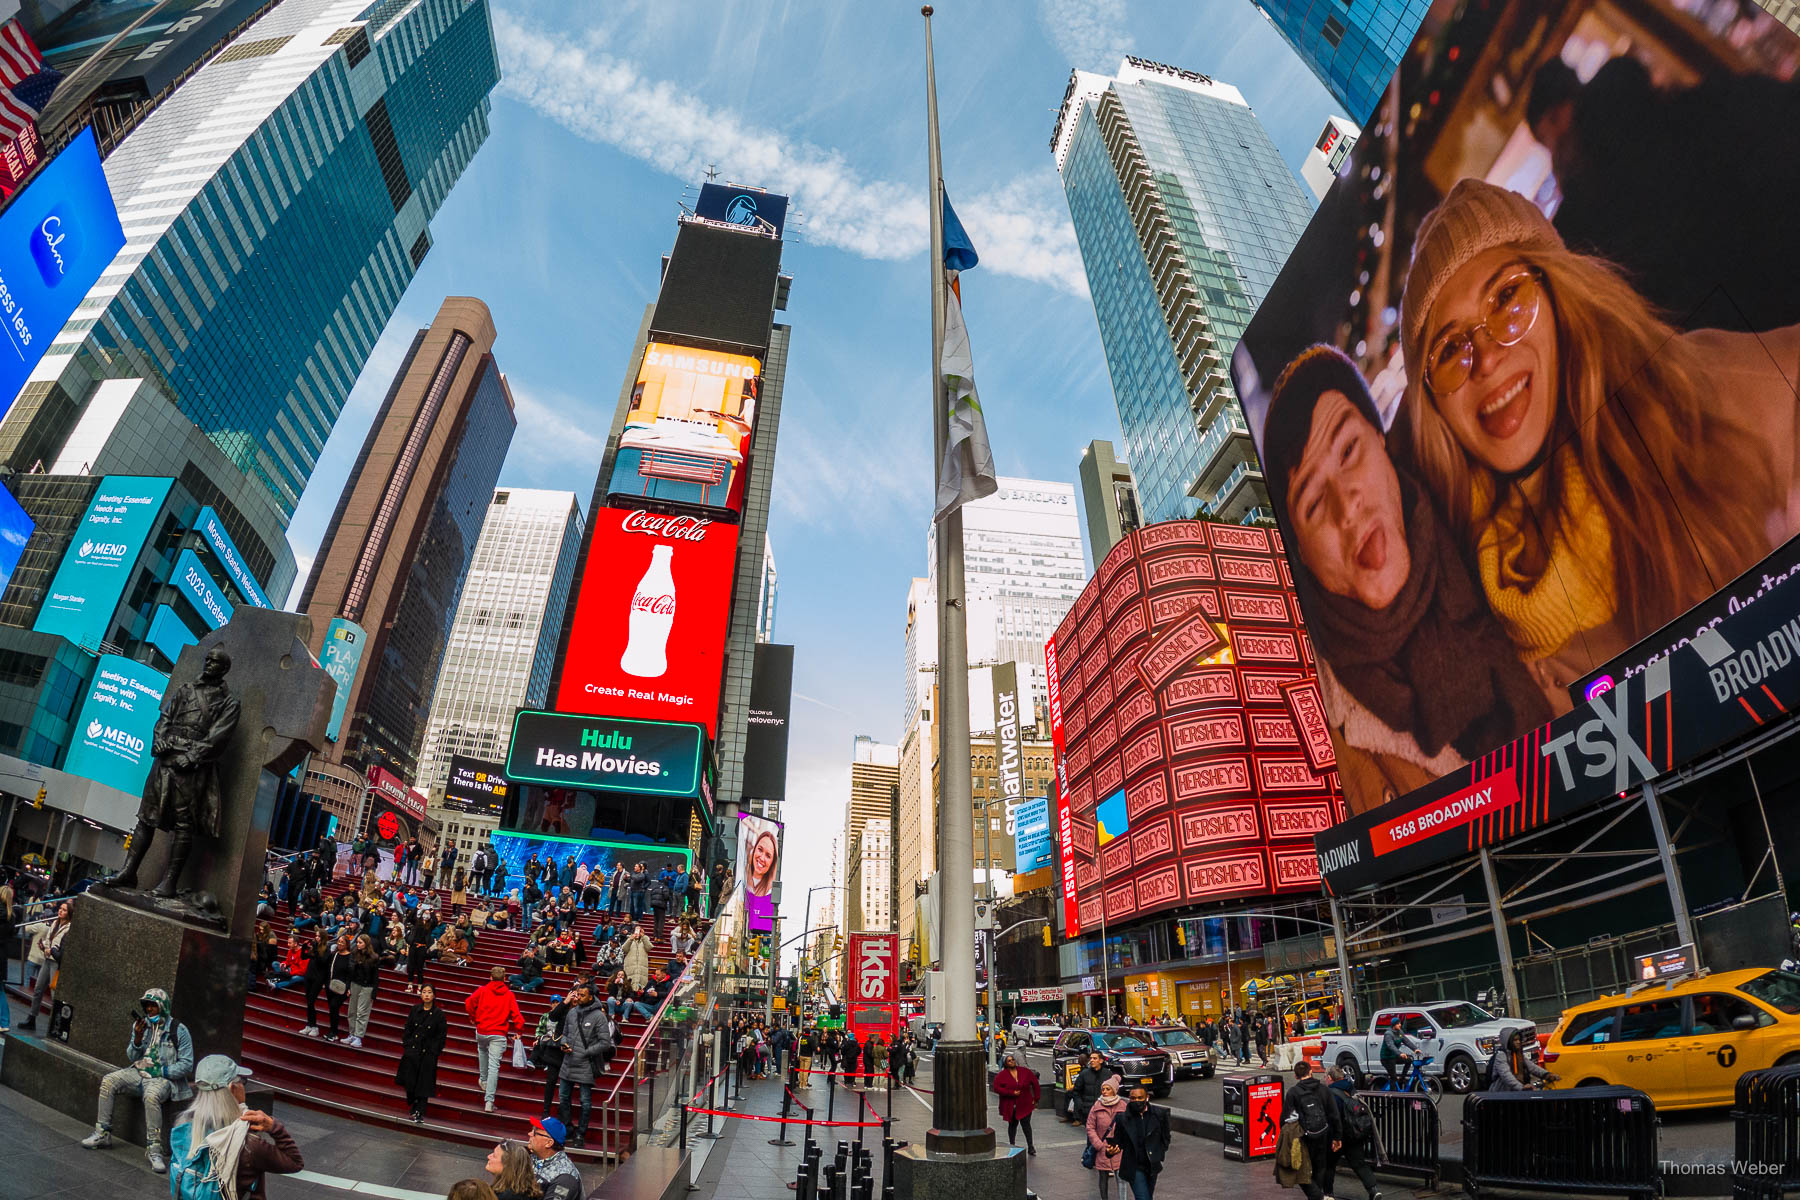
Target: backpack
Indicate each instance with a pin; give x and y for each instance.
(1309, 1106)
(190, 1168)
(1357, 1117)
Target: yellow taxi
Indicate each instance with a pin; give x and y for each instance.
(1683, 1042)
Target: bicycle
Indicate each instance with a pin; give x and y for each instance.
(1415, 1080)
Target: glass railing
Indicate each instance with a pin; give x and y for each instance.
(649, 1100)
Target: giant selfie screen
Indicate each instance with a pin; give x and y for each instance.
(1525, 392)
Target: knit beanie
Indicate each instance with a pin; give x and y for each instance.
(1475, 217)
(1313, 372)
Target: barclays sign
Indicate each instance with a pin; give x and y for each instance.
(749, 207)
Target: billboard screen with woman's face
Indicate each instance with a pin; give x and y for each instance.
(758, 869)
(1525, 392)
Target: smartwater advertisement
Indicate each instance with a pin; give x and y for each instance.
(112, 733)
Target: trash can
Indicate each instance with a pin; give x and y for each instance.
(1252, 1116)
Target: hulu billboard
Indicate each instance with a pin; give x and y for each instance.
(659, 758)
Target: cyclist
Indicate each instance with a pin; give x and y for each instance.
(1512, 1070)
(1397, 1047)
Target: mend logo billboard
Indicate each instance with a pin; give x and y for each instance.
(55, 239)
(657, 758)
(97, 566)
(648, 639)
(113, 730)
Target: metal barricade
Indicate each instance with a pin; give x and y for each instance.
(1599, 1140)
(1407, 1129)
(1767, 1118)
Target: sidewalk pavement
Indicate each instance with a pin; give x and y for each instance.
(743, 1166)
(41, 1160)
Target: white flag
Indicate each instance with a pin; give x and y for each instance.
(967, 472)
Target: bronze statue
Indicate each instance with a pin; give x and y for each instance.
(182, 794)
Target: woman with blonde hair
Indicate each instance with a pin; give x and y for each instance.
(1606, 471)
(509, 1164)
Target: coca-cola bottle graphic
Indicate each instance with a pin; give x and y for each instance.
(651, 618)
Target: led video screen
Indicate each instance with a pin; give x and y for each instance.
(1525, 392)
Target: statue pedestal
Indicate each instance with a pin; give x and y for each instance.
(113, 954)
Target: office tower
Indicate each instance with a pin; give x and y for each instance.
(502, 645)
(1184, 212)
(276, 205)
(1785, 11)
(1022, 569)
(1109, 505)
(1353, 49)
(687, 469)
(1328, 155)
(766, 595)
(874, 774)
(867, 890)
(391, 568)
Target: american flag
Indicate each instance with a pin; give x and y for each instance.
(21, 103)
(19, 57)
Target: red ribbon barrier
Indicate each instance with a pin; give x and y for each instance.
(719, 1112)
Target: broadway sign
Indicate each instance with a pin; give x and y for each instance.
(1736, 674)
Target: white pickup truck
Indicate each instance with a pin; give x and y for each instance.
(1461, 1038)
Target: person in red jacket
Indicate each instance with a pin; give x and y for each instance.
(494, 1010)
(1018, 1089)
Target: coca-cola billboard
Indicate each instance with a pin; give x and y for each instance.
(1201, 771)
(648, 639)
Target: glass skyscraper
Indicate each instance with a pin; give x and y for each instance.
(276, 205)
(1353, 49)
(1184, 212)
(502, 647)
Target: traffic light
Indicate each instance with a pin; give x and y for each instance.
(1180, 934)
(42, 792)
(1049, 938)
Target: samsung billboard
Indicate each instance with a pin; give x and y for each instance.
(96, 568)
(55, 238)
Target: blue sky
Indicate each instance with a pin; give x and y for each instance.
(607, 112)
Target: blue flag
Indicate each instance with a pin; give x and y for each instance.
(959, 251)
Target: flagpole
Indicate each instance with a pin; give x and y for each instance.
(959, 1068)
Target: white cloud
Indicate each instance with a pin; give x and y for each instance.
(554, 432)
(1090, 34)
(1020, 229)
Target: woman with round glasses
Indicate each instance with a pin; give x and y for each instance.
(1607, 471)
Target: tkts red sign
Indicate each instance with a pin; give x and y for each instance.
(873, 982)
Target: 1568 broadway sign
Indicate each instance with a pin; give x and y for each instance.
(605, 754)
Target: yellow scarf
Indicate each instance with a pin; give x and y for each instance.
(1574, 593)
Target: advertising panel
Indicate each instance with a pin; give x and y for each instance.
(210, 527)
(476, 787)
(340, 655)
(750, 207)
(15, 530)
(169, 633)
(112, 733)
(91, 579)
(55, 238)
(766, 738)
(1009, 763)
(516, 849)
(1191, 780)
(192, 581)
(688, 428)
(657, 758)
(648, 638)
(1031, 836)
(1551, 375)
(874, 971)
(171, 38)
(758, 870)
(396, 812)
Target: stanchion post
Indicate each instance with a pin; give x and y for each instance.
(830, 1097)
(781, 1139)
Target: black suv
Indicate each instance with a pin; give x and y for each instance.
(1130, 1052)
